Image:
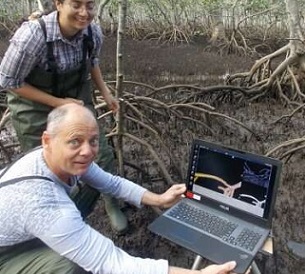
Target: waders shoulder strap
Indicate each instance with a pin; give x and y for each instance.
(22, 178)
(51, 59)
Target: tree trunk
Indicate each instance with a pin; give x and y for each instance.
(29, 6)
(297, 43)
(295, 30)
(119, 82)
(287, 79)
(218, 33)
(100, 10)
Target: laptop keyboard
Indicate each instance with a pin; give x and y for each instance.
(246, 239)
(215, 225)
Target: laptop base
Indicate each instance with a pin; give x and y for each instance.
(192, 240)
(198, 259)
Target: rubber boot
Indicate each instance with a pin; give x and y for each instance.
(117, 218)
(297, 249)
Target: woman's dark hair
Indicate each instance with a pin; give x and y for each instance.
(50, 6)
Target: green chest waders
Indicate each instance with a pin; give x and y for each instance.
(28, 117)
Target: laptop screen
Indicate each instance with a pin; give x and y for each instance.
(232, 178)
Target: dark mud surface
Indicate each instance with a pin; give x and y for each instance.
(158, 65)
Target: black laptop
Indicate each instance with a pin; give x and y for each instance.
(227, 210)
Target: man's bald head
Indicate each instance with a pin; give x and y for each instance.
(66, 114)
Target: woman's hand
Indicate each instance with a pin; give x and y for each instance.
(112, 103)
(71, 100)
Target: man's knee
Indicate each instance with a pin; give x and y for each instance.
(63, 265)
(52, 262)
(37, 259)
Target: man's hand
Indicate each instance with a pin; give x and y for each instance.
(219, 269)
(172, 195)
(225, 268)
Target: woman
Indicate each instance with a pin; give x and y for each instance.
(50, 62)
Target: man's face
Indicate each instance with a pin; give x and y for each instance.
(72, 150)
(76, 14)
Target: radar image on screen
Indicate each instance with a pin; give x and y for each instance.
(232, 177)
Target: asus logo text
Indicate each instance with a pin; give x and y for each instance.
(224, 207)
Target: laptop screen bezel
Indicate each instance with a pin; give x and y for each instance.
(264, 221)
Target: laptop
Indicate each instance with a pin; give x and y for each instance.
(228, 206)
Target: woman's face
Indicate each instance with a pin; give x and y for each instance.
(75, 15)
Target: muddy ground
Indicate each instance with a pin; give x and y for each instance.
(162, 64)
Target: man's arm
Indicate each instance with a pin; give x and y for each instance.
(26, 48)
(129, 191)
(69, 236)
(166, 199)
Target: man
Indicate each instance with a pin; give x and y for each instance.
(50, 62)
(35, 202)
